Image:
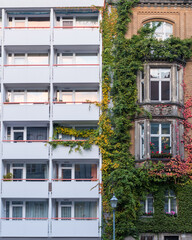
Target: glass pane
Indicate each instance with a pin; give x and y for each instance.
(165, 128)
(154, 73)
(18, 98)
(7, 209)
(173, 204)
(165, 73)
(155, 146)
(17, 173)
(19, 22)
(18, 136)
(165, 144)
(166, 208)
(66, 58)
(83, 171)
(85, 210)
(67, 23)
(86, 21)
(142, 91)
(66, 174)
(36, 133)
(17, 213)
(67, 97)
(86, 96)
(150, 205)
(37, 96)
(154, 128)
(37, 58)
(36, 210)
(38, 22)
(66, 213)
(86, 58)
(154, 90)
(35, 171)
(165, 90)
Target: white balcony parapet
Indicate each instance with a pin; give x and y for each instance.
(77, 36)
(26, 111)
(76, 228)
(75, 189)
(50, 3)
(26, 74)
(24, 228)
(76, 73)
(22, 189)
(75, 111)
(25, 150)
(64, 153)
(27, 36)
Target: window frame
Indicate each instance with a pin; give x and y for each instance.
(169, 197)
(146, 204)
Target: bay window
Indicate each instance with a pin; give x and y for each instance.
(160, 84)
(170, 202)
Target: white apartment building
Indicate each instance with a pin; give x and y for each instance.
(50, 66)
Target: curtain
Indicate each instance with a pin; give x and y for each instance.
(36, 133)
(36, 210)
(85, 210)
(17, 213)
(66, 213)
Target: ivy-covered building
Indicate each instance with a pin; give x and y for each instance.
(149, 64)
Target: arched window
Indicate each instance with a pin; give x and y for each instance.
(164, 31)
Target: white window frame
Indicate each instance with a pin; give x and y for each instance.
(11, 205)
(160, 135)
(160, 80)
(146, 203)
(169, 197)
(70, 204)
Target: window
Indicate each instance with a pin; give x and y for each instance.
(160, 138)
(164, 31)
(85, 210)
(77, 96)
(27, 59)
(66, 172)
(170, 202)
(84, 128)
(89, 21)
(66, 208)
(146, 238)
(160, 84)
(27, 133)
(77, 58)
(36, 210)
(31, 22)
(14, 210)
(142, 147)
(20, 96)
(171, 238)
(22, 171)
(147, 205)
(85, 171)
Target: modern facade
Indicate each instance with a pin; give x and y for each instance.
(50, 66)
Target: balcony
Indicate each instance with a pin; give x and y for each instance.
(24, 228)
(23, 189)
(26, 111)
(27, 36)
(75, 112)
(76, 73)
(26, 74)
(75, 228)
(63, 153)
(76, 36)
(75, 189)
(25, 150)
